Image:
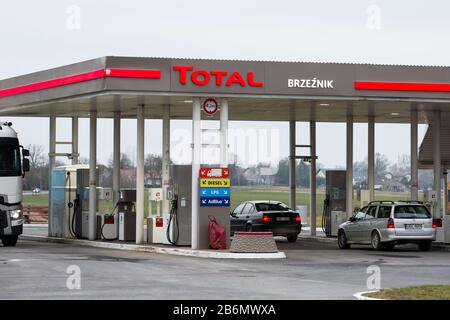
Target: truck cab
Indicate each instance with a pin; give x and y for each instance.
(13, 165)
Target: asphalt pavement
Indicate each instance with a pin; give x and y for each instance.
(40, 270)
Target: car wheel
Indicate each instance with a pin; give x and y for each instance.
(249, 228)
(342, 240)
(292, 237)
(376, 241)
(9, 241)
(425, 245)
(389, 246)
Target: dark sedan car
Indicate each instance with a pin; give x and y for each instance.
(271, 216)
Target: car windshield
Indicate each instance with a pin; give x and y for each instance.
(268, 206)
(411, 212)
(9, 161)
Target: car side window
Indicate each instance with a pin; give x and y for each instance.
(252, 209)
(360, 216)
(246, 209)
(384, 212)
(370, 214)
(238, 209)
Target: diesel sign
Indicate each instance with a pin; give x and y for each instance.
(219, 77)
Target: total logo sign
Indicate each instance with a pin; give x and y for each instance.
(218, 77)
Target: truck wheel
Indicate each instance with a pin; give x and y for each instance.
(425, 245)
(292, 237)
(342, 240)
(376, 241)
(9, 241)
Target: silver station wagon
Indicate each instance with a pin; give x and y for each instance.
(383, 224)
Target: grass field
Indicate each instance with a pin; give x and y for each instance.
(35, 200)
(239, 194)
(427, 292)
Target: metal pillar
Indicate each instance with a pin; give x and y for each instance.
(349, 165)
(313, 177)
(140, 175)
(224, 133)
(414, 154)
(75, 140)
(196, 152)
(292, 161)
(116, 157)
(51, 164)
(92, 175)
(371, 157)
(437, 172)
(52, 146)
(165, 157)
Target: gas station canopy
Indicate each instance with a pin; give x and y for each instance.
(256, 90)
(163, 88)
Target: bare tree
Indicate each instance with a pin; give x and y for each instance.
(125, 162)
(37, 156)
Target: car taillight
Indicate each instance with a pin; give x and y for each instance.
(297, 218)
(390, 224)
(437, 223)
(266, 218)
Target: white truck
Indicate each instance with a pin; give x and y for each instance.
(13, 165)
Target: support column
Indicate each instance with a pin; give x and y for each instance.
(52, 146)
(165, 157)
(292, 161)
(414, 155)
(371, 157)
(437, 172)
(140, 175)
(93, 175)
(349, 175)
(196, 153)
(75, 140)
(224, 133)
(116, 157)
(313, 177)
(51, 165)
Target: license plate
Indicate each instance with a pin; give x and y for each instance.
(413, 226)
(283, 219)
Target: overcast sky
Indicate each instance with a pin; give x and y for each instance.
(37, 35)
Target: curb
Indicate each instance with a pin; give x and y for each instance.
(441, 247)
(361, 295)
(318, 239)
(156, 249)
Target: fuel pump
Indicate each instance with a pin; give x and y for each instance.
(177, 224)
(127, 215)
(334, 208)
(173, 230)
(69, 205)
(65, 202)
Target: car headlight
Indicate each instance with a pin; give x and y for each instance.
(15, 214)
